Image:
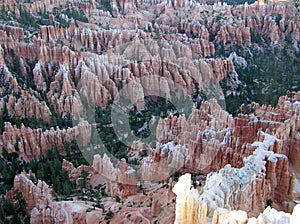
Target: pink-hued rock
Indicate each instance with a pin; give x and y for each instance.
(39, 193)
(75, 173)
(210, 138)
(34, 143)
(28, 106)
(43, 209)
(120, 180)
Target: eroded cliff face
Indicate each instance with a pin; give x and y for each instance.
(33, 6)
(251, 154)
(27, 106)
(34, 143)
(262, 170)
(206, 141)
(190, 208)
(34, 194)
(120, 179)
(265, 174)
(43, 209)
(100, 76)
(140, 46)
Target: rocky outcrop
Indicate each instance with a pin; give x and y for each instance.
(122, 6)
(33, 6)
(34, 143)
(157, 44)
(100, 83)
(75, 173)
(28, 106)
(189, 209)
(285, 120)
(271, 181)
(245, 180)
(197, 144)
(16, 33)
(121, 180)
(43, 209)
(238, 34)
(33, 194)
(210, 138)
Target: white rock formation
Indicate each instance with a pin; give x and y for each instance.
(190, 210)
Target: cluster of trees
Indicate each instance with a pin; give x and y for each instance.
(76, 14)
(271, 70)
(10, 165)
(159, 107)
(43, 19)
(3, 13)
(137, 119)
(106, 133)
(73, 154)
(48, 168)
(28, 122)
(11, 213)
(104, 5)
(61, 122)
(14, 66)
(269, 74)
(26, 19)
(238, 2)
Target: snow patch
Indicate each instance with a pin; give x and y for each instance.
(168, 147)
(297, 104)
(130, 170)
(220, 185)
(238, 60)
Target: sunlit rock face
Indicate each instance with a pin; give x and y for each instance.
(205, 134)
(191, 208)
(247, 182)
